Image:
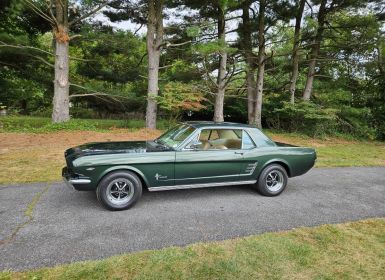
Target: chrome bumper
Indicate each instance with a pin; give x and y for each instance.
(70, 182)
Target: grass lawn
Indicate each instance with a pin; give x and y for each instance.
(31, 149)
(345, 251)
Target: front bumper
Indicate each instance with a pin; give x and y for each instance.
(74, 183)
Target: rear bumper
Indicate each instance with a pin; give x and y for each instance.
(75, 183)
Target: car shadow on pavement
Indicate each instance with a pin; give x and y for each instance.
(89, 199)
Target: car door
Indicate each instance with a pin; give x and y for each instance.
(216, 159)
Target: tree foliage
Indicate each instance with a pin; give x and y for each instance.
(108, 66)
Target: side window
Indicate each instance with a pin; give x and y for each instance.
(222, 139)
(213, 135)
(208, 134)
(247, 142)
(229, 134)
(205, 133)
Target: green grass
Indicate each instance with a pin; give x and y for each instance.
(359, 154)
(337, 152)
(346, 251)
(41, 125)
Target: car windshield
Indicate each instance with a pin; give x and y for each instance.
(175, 135)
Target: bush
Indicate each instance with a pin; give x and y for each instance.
(82, 113)
(42, 112)
(38, 124)
(305, 117)
(356, 122)
(315, 121)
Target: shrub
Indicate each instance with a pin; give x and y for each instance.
(37, 124)
(306, 117)
(356, 122)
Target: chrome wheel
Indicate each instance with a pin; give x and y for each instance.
(120, 191)
(274, 180)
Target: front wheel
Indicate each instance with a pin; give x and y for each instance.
(272, 180)
(119, 190)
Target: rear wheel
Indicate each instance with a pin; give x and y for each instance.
(272, 180)
(119, 190)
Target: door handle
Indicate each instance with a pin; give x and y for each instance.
(239, 153)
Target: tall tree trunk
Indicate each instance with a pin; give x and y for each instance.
(315, 51)
(295, 56)
(220, 97)
(246, 45)
(221, 81)
(381, 68)
(60, 112)
(154, 42)
(261, 63)
(251, 94)
(58, 19)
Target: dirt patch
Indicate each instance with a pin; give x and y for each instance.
(30, 157)
(14, 141)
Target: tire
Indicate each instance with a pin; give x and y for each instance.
(119, 190)
(272, 180)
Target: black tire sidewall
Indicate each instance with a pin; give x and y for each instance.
(261, 184)
(103, 184)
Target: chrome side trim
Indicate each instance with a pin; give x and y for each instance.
(208, 177)
(250, 169)
(207, 185)
(250, 172)
(79, 181)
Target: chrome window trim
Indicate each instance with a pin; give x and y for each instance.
(251, 138)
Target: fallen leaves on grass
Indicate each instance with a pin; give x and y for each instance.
(30, 157)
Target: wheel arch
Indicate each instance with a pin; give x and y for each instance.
(123, 168)
(281, 162)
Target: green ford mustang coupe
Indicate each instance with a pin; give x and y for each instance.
(190, 155)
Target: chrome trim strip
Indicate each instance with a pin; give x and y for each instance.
(206, 185)
(208, 177)
(250, 169)
(79, 181)
(218, 176)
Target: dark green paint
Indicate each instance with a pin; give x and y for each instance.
(161, 166)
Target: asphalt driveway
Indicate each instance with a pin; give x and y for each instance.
(47, 224)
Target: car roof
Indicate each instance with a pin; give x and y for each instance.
(202, 124)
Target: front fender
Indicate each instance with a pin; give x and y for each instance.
(123, 167)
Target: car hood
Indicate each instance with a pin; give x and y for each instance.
(116, 147)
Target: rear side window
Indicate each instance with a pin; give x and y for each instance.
(247, 142)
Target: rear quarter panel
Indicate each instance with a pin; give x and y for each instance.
(298, 160)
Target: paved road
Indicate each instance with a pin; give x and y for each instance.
(69, 226)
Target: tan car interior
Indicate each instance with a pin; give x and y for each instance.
(220, 139)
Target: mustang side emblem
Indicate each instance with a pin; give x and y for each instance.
(159, 176)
